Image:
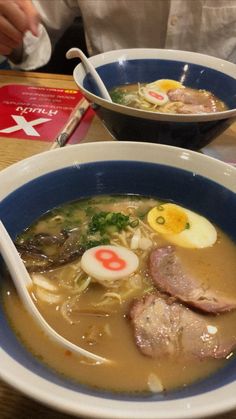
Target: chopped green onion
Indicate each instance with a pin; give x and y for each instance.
(94, 243)
(105, 222)
(160, 220)
(134, 223)
(117, 96)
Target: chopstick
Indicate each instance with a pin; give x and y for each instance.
(72, 123)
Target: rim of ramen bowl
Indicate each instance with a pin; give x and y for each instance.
(74, 155)
(225, 67)
(79, 403)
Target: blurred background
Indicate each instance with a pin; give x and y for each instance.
(72, 37)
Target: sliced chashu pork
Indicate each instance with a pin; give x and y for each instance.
(169, 276)
(164, 327)
(193, 101)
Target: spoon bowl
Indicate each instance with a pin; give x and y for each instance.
(76, 52)
(23, 282)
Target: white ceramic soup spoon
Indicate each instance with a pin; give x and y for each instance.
(77, 53)
(22, 281)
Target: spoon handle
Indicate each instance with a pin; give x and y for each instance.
(11, 257)
(76, 52)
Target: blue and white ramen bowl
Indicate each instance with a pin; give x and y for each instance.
(194, 70)
(37, 184)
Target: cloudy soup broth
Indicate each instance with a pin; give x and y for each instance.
(146, 284)
(167, 96)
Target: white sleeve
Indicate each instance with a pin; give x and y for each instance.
(36, 51)
(56, 16)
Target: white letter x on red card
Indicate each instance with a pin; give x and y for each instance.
(27, 127)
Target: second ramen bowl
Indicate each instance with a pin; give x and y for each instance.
(194, 70)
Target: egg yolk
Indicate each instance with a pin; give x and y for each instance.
(166, 84)
(168, 219)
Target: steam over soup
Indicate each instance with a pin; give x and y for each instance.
(167, 96)
(146, 284)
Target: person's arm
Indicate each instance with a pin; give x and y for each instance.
(32, 48)
(55, 17)
(16, 17)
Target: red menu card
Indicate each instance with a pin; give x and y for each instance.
(39, 113)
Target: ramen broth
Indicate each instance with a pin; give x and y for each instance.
(167, 96)
(95, 315)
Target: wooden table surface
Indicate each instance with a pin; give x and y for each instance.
(12, 403)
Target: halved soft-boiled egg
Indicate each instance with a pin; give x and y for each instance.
(181, 226)
(109, 262)
(164, 85)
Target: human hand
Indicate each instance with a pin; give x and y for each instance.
(16, 17)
